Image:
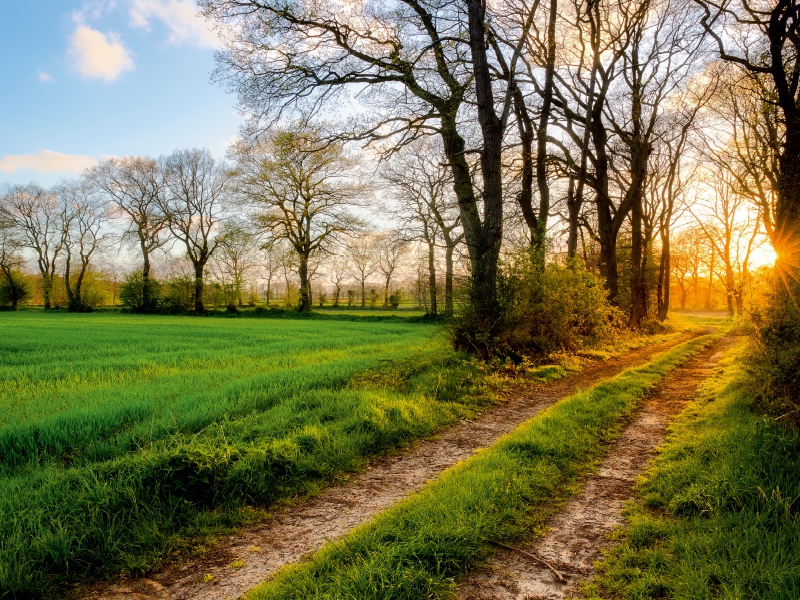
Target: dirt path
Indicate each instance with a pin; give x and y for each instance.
(579, 532)
(242, 561)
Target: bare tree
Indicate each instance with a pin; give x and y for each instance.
(338, 274)
(37, 215)
(420, 66)
(303, 192)
(427, 209)
(766, 44)
(732, 227)
(11, 259)
(362, 253)
(236, 256)
(84, 217)
(136, 188)
(197, 188)
(390, 251)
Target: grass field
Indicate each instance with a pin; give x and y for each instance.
(123, 436)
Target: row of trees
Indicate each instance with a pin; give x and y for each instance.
(614, 114)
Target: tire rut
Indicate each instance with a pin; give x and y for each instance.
(578, 534)
(240, 562)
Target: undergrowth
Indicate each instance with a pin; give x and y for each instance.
(419, 547)
(718, 514)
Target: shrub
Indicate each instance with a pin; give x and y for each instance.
(394, 300)
(776, 332)
(15, 289)
(131, 293)
(177, 295)
(562, 307)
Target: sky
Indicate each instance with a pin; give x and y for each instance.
(85, 80)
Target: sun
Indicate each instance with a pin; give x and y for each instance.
(763, 256)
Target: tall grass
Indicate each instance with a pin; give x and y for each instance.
(719, 512)
(123, 436)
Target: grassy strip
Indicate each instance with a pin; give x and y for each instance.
(719, 511)
(417, 549)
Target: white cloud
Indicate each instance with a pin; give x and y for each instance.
(96, 54)
(44, 77)
(180, 17)
(46, 161)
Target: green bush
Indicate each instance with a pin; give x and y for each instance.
(131, 293)
(15, 289)
(560, 307)
(776, 332)
(177, 295)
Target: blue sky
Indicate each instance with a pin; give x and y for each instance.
(86, 79)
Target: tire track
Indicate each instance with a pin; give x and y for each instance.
(578, 534)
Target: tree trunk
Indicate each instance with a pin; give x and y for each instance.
(574, 203)
(665, 267)
(47, 288)
(146, 295)
(432, 279)
(638, 289)
(363, 291)
(485, 250)
(710, 280)
(67, 283)
(608, 264)
(304, 301)
(199, 307)
(448, 281)
(540, 232)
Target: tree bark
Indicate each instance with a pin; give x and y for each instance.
(665, 267)
(199, 307)
(304, 301)
(448, 282)
(638, 285)
(434, 310)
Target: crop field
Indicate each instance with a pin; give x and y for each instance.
(123, 436)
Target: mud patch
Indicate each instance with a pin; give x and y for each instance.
(241, 562)
(578, 534)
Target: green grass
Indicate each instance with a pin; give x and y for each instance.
(718, 514)
(126, 438)
(418, 548)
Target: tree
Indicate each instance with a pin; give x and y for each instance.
(84, 217)
(236, 255)
(427, 209)
(766, 44)
(197, 188)
(362, 256)
(339, 273)
(390, 251)
(13, 286)
(732, 227)
(419, 66)
(136, 187)
(303, 192)
(37, 215)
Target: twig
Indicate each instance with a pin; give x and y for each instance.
(533, 556)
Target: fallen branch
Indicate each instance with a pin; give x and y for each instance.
(533, 556)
